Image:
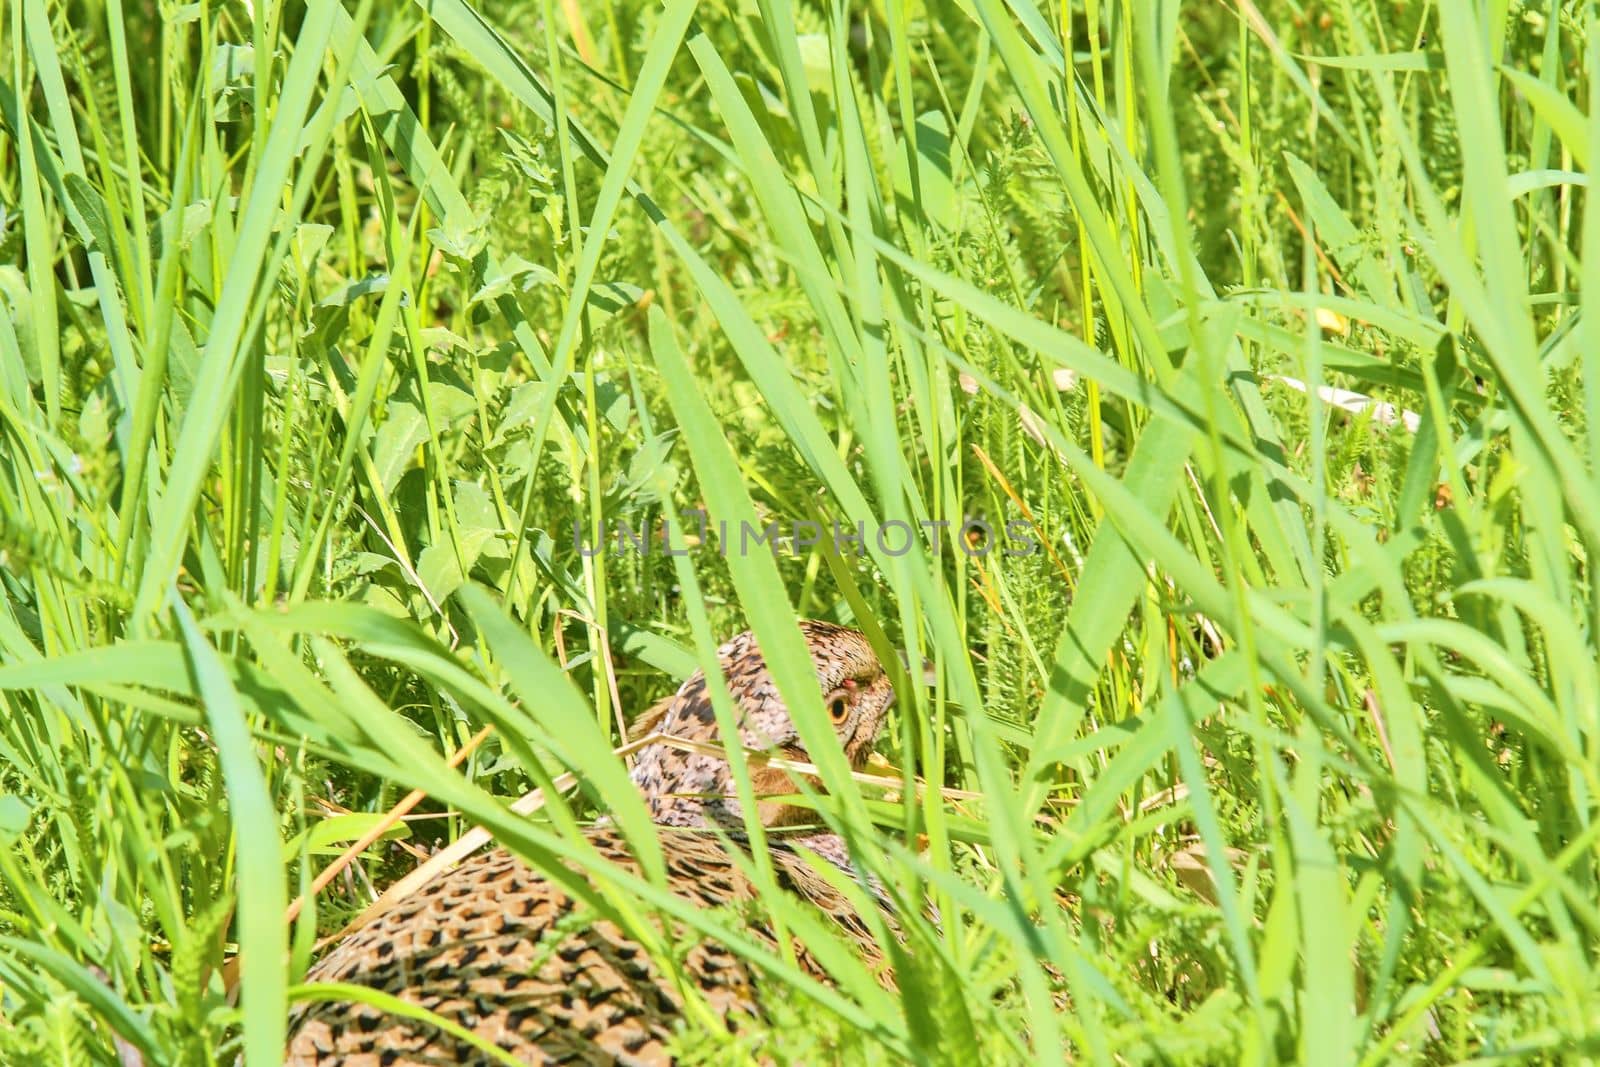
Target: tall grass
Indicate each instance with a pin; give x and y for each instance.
(332, 333)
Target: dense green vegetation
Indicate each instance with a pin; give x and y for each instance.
(324, 327)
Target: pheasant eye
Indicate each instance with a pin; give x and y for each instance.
(838, 709)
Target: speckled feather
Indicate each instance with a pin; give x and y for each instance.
(501, 950)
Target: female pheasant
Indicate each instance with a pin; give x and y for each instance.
(497, 948)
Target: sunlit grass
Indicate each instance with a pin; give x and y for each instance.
(331, 332)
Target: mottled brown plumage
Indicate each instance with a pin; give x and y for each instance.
(499, 949)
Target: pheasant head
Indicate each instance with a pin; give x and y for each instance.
(684, 788)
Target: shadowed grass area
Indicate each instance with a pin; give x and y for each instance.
(1203, 389)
